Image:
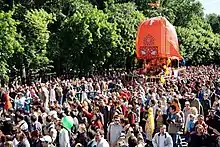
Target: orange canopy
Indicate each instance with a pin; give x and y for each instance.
(157, 38)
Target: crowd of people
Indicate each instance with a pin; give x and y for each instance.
(109, 111)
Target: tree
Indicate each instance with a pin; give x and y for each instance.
(87, 39)
(178, 12)
(199, 45)
(214, 21)
(34, 38)
(8, 41)
(127, 18)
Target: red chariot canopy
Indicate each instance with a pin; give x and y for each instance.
(157, 38)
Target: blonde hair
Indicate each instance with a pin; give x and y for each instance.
(8, 144)
(78, 145)
(194, 111)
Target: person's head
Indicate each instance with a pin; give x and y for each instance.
(9, 138)
(200, 118)
(33, 118)
(101, 103)
(150, 111)
(8, 144)
(193, 96)
(79, 145)
(125, 121)
(82, 128)
(159, 104)
(175, 101)
(133, 141)
(20, 117)
(153, 102)
(59, 126)
(20, 95)
(206, 96)
(172, 109)
(217, 105)
(159, 112)
(187, 104)
(46, 141)
(168, 104)
(130, 107)
(192, 117)
(96, 109)
(117, 119)
(162, 129)
(35, 135)
(11, 111)
(20, 136)
(48, 119)
(194, 111)
(212, 113)
(199, 129)
(99, 135)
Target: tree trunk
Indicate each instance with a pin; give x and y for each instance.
(23, 74)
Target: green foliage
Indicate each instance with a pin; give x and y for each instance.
(8, 41)
(182, 11)
(88, 34)
(33, 38)
(197, 42)
(126, 18)
(88, 38)
(214, 21)
(36, 36)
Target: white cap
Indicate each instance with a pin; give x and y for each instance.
(47, 139)
(187, 103)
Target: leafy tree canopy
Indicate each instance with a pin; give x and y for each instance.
(72, 35)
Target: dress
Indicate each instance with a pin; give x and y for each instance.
(149, 126)
(52, 95)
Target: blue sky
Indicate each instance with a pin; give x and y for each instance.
(211, 6)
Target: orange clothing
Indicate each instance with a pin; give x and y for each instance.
(178, 109)
(8, 104)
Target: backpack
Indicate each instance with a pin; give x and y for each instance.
(182, 116)
(91, 143)
(47, 129)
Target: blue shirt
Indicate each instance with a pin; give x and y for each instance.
(191, 124)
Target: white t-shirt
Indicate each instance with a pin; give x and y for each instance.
(52, 95)
(64, 139)
(23, 125)
(102, 143)
(15, 142)
(161, 140)
(20, 103)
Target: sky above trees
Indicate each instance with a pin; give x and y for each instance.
(211, 6)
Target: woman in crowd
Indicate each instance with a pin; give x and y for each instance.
(199, 138)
